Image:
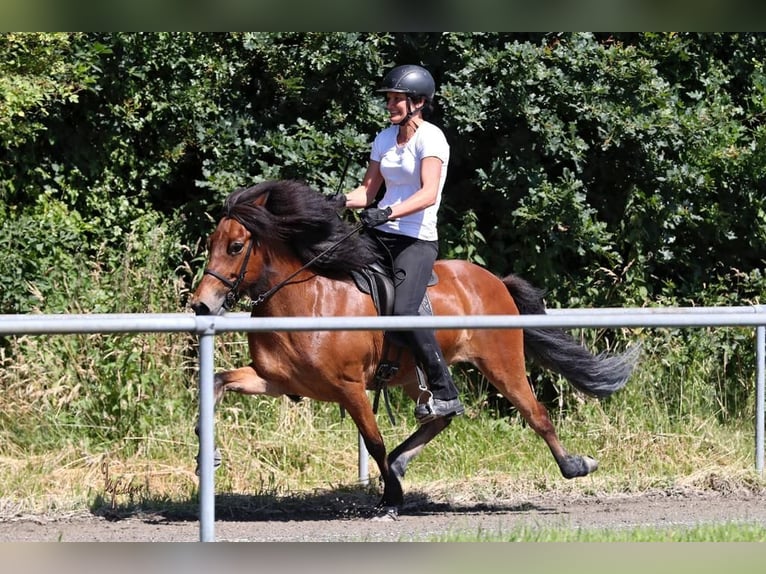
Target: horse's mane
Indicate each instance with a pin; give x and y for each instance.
(295, 214)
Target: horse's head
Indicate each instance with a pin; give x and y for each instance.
(230, 268)
(278, 226)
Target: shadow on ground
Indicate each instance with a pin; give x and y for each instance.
(331, 504)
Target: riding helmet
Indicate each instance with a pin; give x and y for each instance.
(409, 79)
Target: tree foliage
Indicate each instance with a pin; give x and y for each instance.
(612, 169)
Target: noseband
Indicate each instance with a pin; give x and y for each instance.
(233, 295)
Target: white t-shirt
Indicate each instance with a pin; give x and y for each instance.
(400, 168)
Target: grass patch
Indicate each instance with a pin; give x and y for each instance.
(275, 448)
(729, 532)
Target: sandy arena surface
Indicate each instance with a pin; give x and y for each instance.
(346, 517)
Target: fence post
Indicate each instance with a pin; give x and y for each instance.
(206, 434)
(364, 462)
(205, 328)
(760, 375)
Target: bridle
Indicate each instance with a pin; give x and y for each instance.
(233, 295)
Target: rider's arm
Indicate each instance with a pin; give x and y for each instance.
(365, 194)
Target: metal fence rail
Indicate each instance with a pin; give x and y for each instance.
(207, 327)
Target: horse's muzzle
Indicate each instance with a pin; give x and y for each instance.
(200, 308)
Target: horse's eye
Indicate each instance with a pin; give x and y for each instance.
(236, 248)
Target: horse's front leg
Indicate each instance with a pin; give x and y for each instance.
(243, 380)
(357, 405)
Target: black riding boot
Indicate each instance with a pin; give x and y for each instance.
(441, 400)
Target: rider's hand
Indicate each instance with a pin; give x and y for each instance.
(337, 200)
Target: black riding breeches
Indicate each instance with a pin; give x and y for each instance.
(413, 261)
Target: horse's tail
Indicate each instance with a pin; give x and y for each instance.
(595, 375)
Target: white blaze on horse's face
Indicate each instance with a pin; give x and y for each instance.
(229, 251)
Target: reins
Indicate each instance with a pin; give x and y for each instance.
(263, 296)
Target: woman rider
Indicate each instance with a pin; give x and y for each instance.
(410, 157)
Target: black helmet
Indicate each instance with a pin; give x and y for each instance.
(411, 80)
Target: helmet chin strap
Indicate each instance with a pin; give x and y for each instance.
(410, 112)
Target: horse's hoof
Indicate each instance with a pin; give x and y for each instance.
(386, 514)
(590, 463)
(576, 466)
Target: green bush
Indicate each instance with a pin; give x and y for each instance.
(97, 389)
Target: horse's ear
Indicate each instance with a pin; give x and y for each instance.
(261, 200)
(243, 195)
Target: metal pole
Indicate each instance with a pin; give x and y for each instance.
(206, 437)
(692, 318)
(760, 359)
(206, 327)
(363, 460)
(364, 464)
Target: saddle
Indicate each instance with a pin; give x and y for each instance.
(376, 282)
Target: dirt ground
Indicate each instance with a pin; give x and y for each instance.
(346, 517)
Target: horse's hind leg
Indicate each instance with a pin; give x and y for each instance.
(401, 456)
(502, 362)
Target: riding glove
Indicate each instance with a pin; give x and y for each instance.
(373, 216)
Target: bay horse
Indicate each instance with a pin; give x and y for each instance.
(284, 245)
